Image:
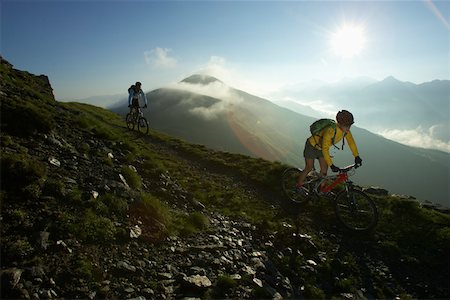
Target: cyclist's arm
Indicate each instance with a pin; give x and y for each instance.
(145, 97)
(351, 144)
(328, 134)
(130, 96)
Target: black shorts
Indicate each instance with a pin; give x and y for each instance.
(311, 152)
(135, 103)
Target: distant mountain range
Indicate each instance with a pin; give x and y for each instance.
(204, 110)
(384, 105)
(101, 101)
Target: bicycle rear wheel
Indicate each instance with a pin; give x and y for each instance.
(129, 120)
(356, 211)
(143, 125)
(289, 184)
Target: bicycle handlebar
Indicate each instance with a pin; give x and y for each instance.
(348, 168)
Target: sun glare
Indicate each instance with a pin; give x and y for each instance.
(348, 41)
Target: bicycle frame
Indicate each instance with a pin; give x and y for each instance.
(136, 112)
(342, 177)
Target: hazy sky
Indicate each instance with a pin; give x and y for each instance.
(100, 47)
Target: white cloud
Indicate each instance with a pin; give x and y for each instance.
(209, 113)
(217, 67)
(257, 82)
(419, 137)
(159, 57)
(217, 90)
(321, 106)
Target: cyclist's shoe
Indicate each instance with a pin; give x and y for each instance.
(145, 106)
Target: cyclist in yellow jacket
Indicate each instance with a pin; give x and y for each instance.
(318, 146)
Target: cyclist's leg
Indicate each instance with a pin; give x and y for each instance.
(323, 169)
(323, 166)
(310, 153)
(309, 165)
(135, 108)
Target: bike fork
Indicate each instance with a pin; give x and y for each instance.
(351, 196)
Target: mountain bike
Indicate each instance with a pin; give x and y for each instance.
(136, 118)
(354, 209)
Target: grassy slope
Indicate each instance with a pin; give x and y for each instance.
(408, 238)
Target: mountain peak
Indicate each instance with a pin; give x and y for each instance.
(200, 79)
(391, 79)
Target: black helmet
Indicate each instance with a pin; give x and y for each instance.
(345, 118)
(137, 83)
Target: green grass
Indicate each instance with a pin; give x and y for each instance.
(21, 117)
(19, 170)
(132, 178)
(95, 229)
(186, 225)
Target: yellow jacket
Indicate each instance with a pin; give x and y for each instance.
(323, 140)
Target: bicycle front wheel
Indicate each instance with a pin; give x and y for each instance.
(356, 210)
(289, 186)
(143, 125)
(130, 121)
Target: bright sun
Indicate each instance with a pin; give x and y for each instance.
(348, 41)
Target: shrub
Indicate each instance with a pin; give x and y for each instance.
(84, 148)
(133, 179)
(261, 293)
(154, 215)
(153, 167)
(115, 205)
(53, 187)
(17, 169)
(20, 248)
(83, 268)
(6, 141)
(63, 225)
(313, 292)
(156, 209)
(128, 146)
(95, 229)
(75, 195)
(198, 220)
(19, 215)
(443, 238)
(186, 229)
(100, 208)
(32, 191)
(190, 224)
(345, 285)
(226, 283)
(85, 121)
(104, 133)
(23, 118)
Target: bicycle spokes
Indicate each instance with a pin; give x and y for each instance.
(356, 210)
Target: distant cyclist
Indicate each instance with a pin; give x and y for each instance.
(135, 93)
(317, 146)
